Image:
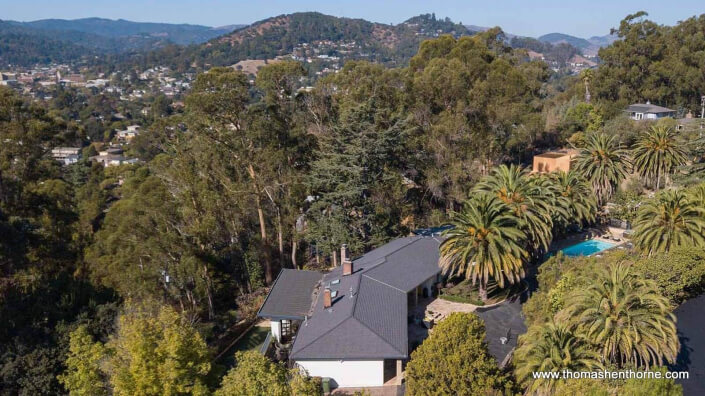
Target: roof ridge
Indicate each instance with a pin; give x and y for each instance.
(353, 318)
(385, 284)
(363, 323)
(320, 336)
(269, 292)
(375, 333)
(413, 239)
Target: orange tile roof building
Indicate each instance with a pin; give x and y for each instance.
(553, 161)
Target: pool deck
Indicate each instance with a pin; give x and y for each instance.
(611, 235)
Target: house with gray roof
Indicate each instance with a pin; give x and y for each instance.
(351, 324)
(648, 111)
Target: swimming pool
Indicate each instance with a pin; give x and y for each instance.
(586, 248)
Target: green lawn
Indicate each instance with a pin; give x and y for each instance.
(465, 292)
(253, 339)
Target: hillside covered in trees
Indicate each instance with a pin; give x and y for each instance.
(387, 44)
(66, 41)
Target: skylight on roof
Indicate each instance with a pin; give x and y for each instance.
(335, 281)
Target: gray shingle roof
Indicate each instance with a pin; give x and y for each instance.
(648, 108)
(406, 267)
(373, 323)
(505, 320)
(291, 295)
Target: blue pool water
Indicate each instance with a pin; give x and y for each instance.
(587, 248)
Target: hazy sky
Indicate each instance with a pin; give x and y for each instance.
(523, 17)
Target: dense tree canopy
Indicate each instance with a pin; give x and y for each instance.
(251, 176)
(662, 64)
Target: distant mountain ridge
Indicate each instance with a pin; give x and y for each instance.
(587, 46)
(61, 40)
(175, 33)
(279, 35)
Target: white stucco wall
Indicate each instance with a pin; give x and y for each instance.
(276, 327)
(347, 373)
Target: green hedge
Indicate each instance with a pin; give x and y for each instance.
(461, 299)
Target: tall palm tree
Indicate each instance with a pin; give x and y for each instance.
(552, 348)
(670, 219)
(657, 153)
(485, 242)
(626, 316)
(587, 76)
(602, 163)
(530, 198)
(578, 199)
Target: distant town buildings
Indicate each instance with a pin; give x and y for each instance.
(66, 155)
(112, 156)
(128, 134)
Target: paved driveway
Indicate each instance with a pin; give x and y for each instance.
(691, 332)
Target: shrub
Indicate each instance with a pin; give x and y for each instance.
(454, 360)
(680, 274)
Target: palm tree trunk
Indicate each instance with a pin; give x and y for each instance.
(482, 291)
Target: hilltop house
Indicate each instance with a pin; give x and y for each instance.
(66, 155)
(690, 123)
(129, 133)
(112, 156)
(553, 161)
(351, 324)
(647, 111)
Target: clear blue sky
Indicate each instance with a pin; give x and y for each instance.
(523, 17)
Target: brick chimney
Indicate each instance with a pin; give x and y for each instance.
(347, 267)
(343, 253)
(327, 301)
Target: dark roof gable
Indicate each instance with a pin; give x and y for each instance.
(291, 295)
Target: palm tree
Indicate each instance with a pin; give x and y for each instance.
(552, 348)
(602, 163)
(578, 199)
(587, 76)
(485, 242)
(671, 219)
(697, 195)
(657, 153)
(531, 200)
(626, 316)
